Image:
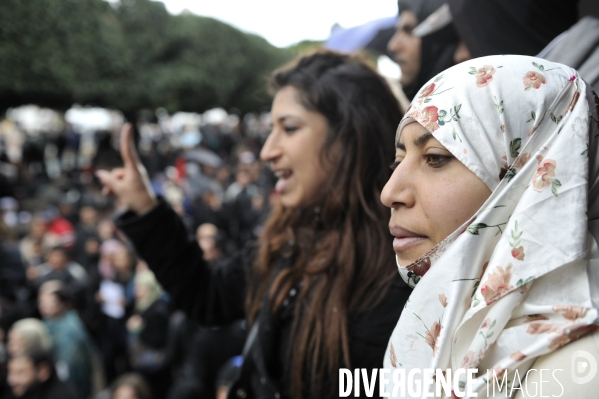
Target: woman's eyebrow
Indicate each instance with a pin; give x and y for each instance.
(282, 118)
(419, 142)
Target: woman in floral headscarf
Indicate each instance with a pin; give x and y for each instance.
(495, 215)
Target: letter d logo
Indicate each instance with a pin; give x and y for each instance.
(583, 367)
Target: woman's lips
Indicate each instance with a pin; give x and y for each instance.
(404, 238)
(404, 243)
(283, 180)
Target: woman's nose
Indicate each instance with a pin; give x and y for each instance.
(398, 191)
(394, 44)
(270, 150)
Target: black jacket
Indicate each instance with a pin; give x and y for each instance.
(217, 297)
(53, 388)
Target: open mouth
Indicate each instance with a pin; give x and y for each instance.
(283, 176)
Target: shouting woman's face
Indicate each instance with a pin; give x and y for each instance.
(293, 149)
(430, 194)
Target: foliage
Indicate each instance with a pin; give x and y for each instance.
(305, 47)
(129, 56)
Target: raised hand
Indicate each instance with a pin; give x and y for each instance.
(130, 184)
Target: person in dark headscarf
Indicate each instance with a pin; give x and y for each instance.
(421, 53)
(522, 27)
(578, 48)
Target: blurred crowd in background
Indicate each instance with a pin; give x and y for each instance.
(63, 262)
(71, 285)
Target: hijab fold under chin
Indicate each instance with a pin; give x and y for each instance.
(519, 279)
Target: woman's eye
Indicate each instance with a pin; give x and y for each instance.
(436, 160)
(407, 29)
(290, 129)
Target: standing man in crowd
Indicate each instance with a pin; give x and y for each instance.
(32, 375)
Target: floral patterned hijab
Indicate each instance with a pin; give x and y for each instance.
(521, 278)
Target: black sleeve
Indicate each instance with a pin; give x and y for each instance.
(212, 296)
(369, 335)
(156, 321)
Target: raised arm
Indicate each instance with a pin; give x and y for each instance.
(130, 183)
(212, 296)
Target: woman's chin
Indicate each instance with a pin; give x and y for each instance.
(289, 201)
(403, 262)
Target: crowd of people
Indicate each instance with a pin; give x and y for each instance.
(103, 314)
(253, 260)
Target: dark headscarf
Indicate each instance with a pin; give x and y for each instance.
(437, 48)
(422, 8)
(511, 26)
